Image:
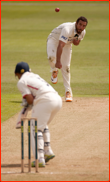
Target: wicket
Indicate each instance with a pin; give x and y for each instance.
(29, 145)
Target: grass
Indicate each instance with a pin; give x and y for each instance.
(24, 30)
(10, 102)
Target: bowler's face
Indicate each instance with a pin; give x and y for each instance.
(80, 26)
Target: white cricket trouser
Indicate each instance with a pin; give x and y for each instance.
(44, 110)
(52, 45)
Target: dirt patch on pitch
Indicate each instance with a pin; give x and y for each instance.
(79, 139)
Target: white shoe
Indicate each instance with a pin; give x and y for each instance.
(41, 163)
(54, 78)
(68, 97)
(48, 155)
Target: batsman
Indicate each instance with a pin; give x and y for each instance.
(45, 102)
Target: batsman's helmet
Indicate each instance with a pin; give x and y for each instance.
(21, 67)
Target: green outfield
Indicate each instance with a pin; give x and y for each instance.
(24, 30)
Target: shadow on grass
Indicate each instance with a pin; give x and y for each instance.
(15, 101)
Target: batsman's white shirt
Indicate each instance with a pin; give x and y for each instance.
(31, 83)
(46, 103)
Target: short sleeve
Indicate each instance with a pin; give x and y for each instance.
(23, 89)
(64, 35)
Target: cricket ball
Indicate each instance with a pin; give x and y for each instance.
(57, 9)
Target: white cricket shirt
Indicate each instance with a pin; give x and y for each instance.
(66, 32)
(31, 83)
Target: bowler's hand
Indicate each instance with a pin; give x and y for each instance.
(76, 42)
(58, 65)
